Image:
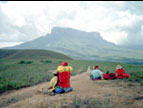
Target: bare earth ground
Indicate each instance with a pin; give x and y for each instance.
(120, 94)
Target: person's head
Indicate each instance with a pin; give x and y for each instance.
(107, 72)
(96, 67)
(118, 67)
(63, 64)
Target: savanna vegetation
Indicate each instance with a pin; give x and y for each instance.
(18, 72)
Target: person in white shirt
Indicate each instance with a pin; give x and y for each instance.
(96, 74)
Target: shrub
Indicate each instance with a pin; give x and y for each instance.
(29, 62)
(48, 61)
(22, 62)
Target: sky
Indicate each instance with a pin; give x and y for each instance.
(120, 22)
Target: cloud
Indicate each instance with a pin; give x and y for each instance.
(134, 34)
(116, 21)
(3, 1)
(8, 44)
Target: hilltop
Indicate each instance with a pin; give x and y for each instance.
(31, 54)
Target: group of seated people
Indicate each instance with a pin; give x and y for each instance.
(60, 83)
(97, 74)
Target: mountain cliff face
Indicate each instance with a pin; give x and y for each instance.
(81, 45)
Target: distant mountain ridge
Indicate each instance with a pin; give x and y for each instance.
(81, 45)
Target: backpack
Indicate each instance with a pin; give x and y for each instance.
(64, 79)
(109, 76)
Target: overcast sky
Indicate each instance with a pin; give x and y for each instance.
(120, 22)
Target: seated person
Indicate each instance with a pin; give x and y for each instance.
(64, 72)
(96, 74)
(120, 72)
(53, 84)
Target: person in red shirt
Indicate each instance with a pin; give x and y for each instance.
(120, 72)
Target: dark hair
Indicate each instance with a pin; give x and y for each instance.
(55, 74)
(96, 67)
(107, 72)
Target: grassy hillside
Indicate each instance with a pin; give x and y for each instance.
(31, 54)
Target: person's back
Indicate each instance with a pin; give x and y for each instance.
(96, 74)
(63, 78)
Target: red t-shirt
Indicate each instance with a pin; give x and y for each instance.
(120, 73)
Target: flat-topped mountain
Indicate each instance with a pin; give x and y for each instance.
(81, 45)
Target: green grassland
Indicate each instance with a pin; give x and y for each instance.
(30, 54)
(15, 74)
(23, 71)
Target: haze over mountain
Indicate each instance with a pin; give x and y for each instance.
(81, 45)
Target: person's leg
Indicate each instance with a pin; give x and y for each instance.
(126, 75)
(59, 90)
(99, 78)
(68, 89)
(120, 77)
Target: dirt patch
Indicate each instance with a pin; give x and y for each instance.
(117, 94)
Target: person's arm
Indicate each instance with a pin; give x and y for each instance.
(53, 83)
(102, 74)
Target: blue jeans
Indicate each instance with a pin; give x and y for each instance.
(60, 90)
